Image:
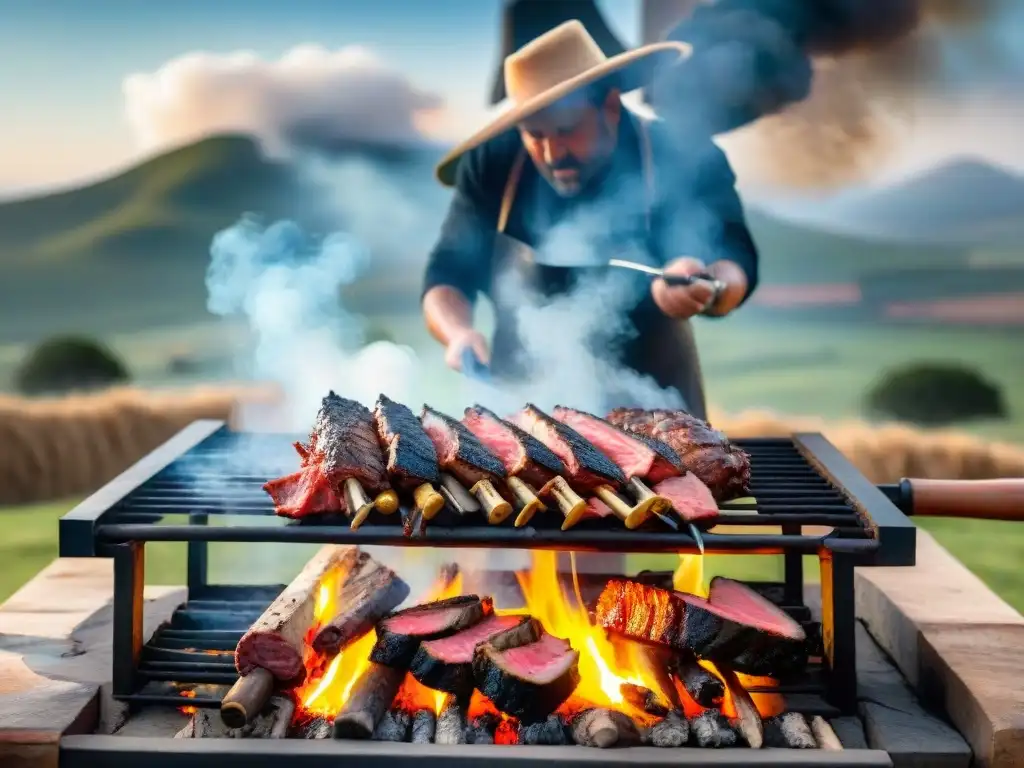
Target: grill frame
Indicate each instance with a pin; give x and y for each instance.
(107, 525)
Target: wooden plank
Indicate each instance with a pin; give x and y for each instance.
(55, 657)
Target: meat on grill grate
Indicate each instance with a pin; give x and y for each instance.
(411, 457)
(587, 468)
(458, 450)
(399, 635)
(705, 451)
(690, 498)
(523, 455)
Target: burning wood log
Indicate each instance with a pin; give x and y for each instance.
(371, 696)
(603, 728)
(789, 731)
(317, 728)
(481, 729)
(271, 722)
(462, 455)
(711, 729)
(451, 724)
(643, 699)
(656, 664)
(672, 731)
(399, 634)
(824, 735)
(548, 732)
(423, 726)
(572, 506)
(700, 684)
(371, 590)
(393, 726)
(748, 719)
(201, 726)
(271, 652)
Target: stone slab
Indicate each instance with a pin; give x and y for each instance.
(55, 657)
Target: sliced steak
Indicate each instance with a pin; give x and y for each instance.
(586, 467)
(411, 457)
(707, 452)
(399, 634)
(528, 681)
(637, 455)
(447, 664)
(720, 632)
(344, 442)
(691, 499)
(459, 451)
(523, 455)
(302, 494)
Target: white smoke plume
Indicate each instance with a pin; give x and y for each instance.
(311, 97)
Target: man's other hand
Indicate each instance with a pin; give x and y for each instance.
(682, 301)
(459, 343)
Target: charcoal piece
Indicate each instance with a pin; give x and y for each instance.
(393, 726)
(549, 732)
(670, 732)
(451, 725)
(371, 590)
(527, 681)
(523, 455)
(604, 728)
(643, 699)
(423, 725)
(371, 697)
(711, 729)
(789, 731)
(446, 664)
(586, 468)
(317, 728)
(824, 735)
(411, 456)
(700, 684)
(399, 634)
(481, 730)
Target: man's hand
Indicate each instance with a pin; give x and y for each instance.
(468, 338)
(682, 301)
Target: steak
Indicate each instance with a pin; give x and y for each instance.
(586, 467)
(458, 450)
(637, 455)
(344, 443)
(691, 499)
(527, 681)
(399, 634)
(411, 457)
(523, 455)
(724, 631)
(447, 664)
(707, 452)
(303, 493)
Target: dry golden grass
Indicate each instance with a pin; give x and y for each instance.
(60, 448)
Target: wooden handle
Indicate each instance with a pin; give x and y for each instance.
(1001, 499)
(527, 501)
(495, 507)
(569, 503)
(357, 504)
(387, 502)
(428, 501)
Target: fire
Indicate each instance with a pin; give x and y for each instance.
(187, 710)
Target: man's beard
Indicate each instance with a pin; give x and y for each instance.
(585, 172)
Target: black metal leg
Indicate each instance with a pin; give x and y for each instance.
(838, 630)
(129, 581)
(198, 568)
(794, 571)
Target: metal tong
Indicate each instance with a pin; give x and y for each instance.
(672, 280)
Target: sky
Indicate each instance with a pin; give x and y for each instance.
(93, 85)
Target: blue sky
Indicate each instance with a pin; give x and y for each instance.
(64, 60)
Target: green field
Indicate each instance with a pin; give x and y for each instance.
(993, 550)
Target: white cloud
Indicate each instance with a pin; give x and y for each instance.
(310, 96)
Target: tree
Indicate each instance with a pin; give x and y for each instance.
(66, 363)
(935, 394)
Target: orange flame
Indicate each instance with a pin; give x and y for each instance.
(187, 710)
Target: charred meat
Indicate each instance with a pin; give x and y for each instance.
(523, 455)
(458, 450)
(587, 469)
(411, 457)
(399, 635)
(708, 453)
(303, 493)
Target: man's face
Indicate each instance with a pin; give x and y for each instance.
(572, 140)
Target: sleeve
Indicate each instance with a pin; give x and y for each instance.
(461, 257)
(701, 214)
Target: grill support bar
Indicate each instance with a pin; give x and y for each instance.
(129, 580)
(198, 555)
(838, 629)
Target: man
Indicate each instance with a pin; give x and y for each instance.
(568, 146)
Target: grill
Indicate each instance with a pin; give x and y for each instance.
(194, 489)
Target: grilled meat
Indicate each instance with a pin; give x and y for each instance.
(399, 635)
(344, 441)
(523, 455)
(691, 499)
(303, 493)
(411, 457)
(458, 450)
(705, 451)
(587, 469)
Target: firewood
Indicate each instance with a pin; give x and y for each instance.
(246, 698)
(370, 699)
(394, 726)
(824, 735)
(699, 683)
(789, 731)
(670, 732)
(451, 724)
(643, 699)
(317, 728)
(423, 726)
(748, 719)
(712, 729)
(603, 728)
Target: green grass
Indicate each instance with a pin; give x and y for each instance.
(993, 550)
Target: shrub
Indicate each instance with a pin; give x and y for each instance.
(65, 363)
(935, 394)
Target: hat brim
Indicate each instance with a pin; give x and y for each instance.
(633, 69)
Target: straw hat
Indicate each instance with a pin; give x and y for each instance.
(554, 65)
